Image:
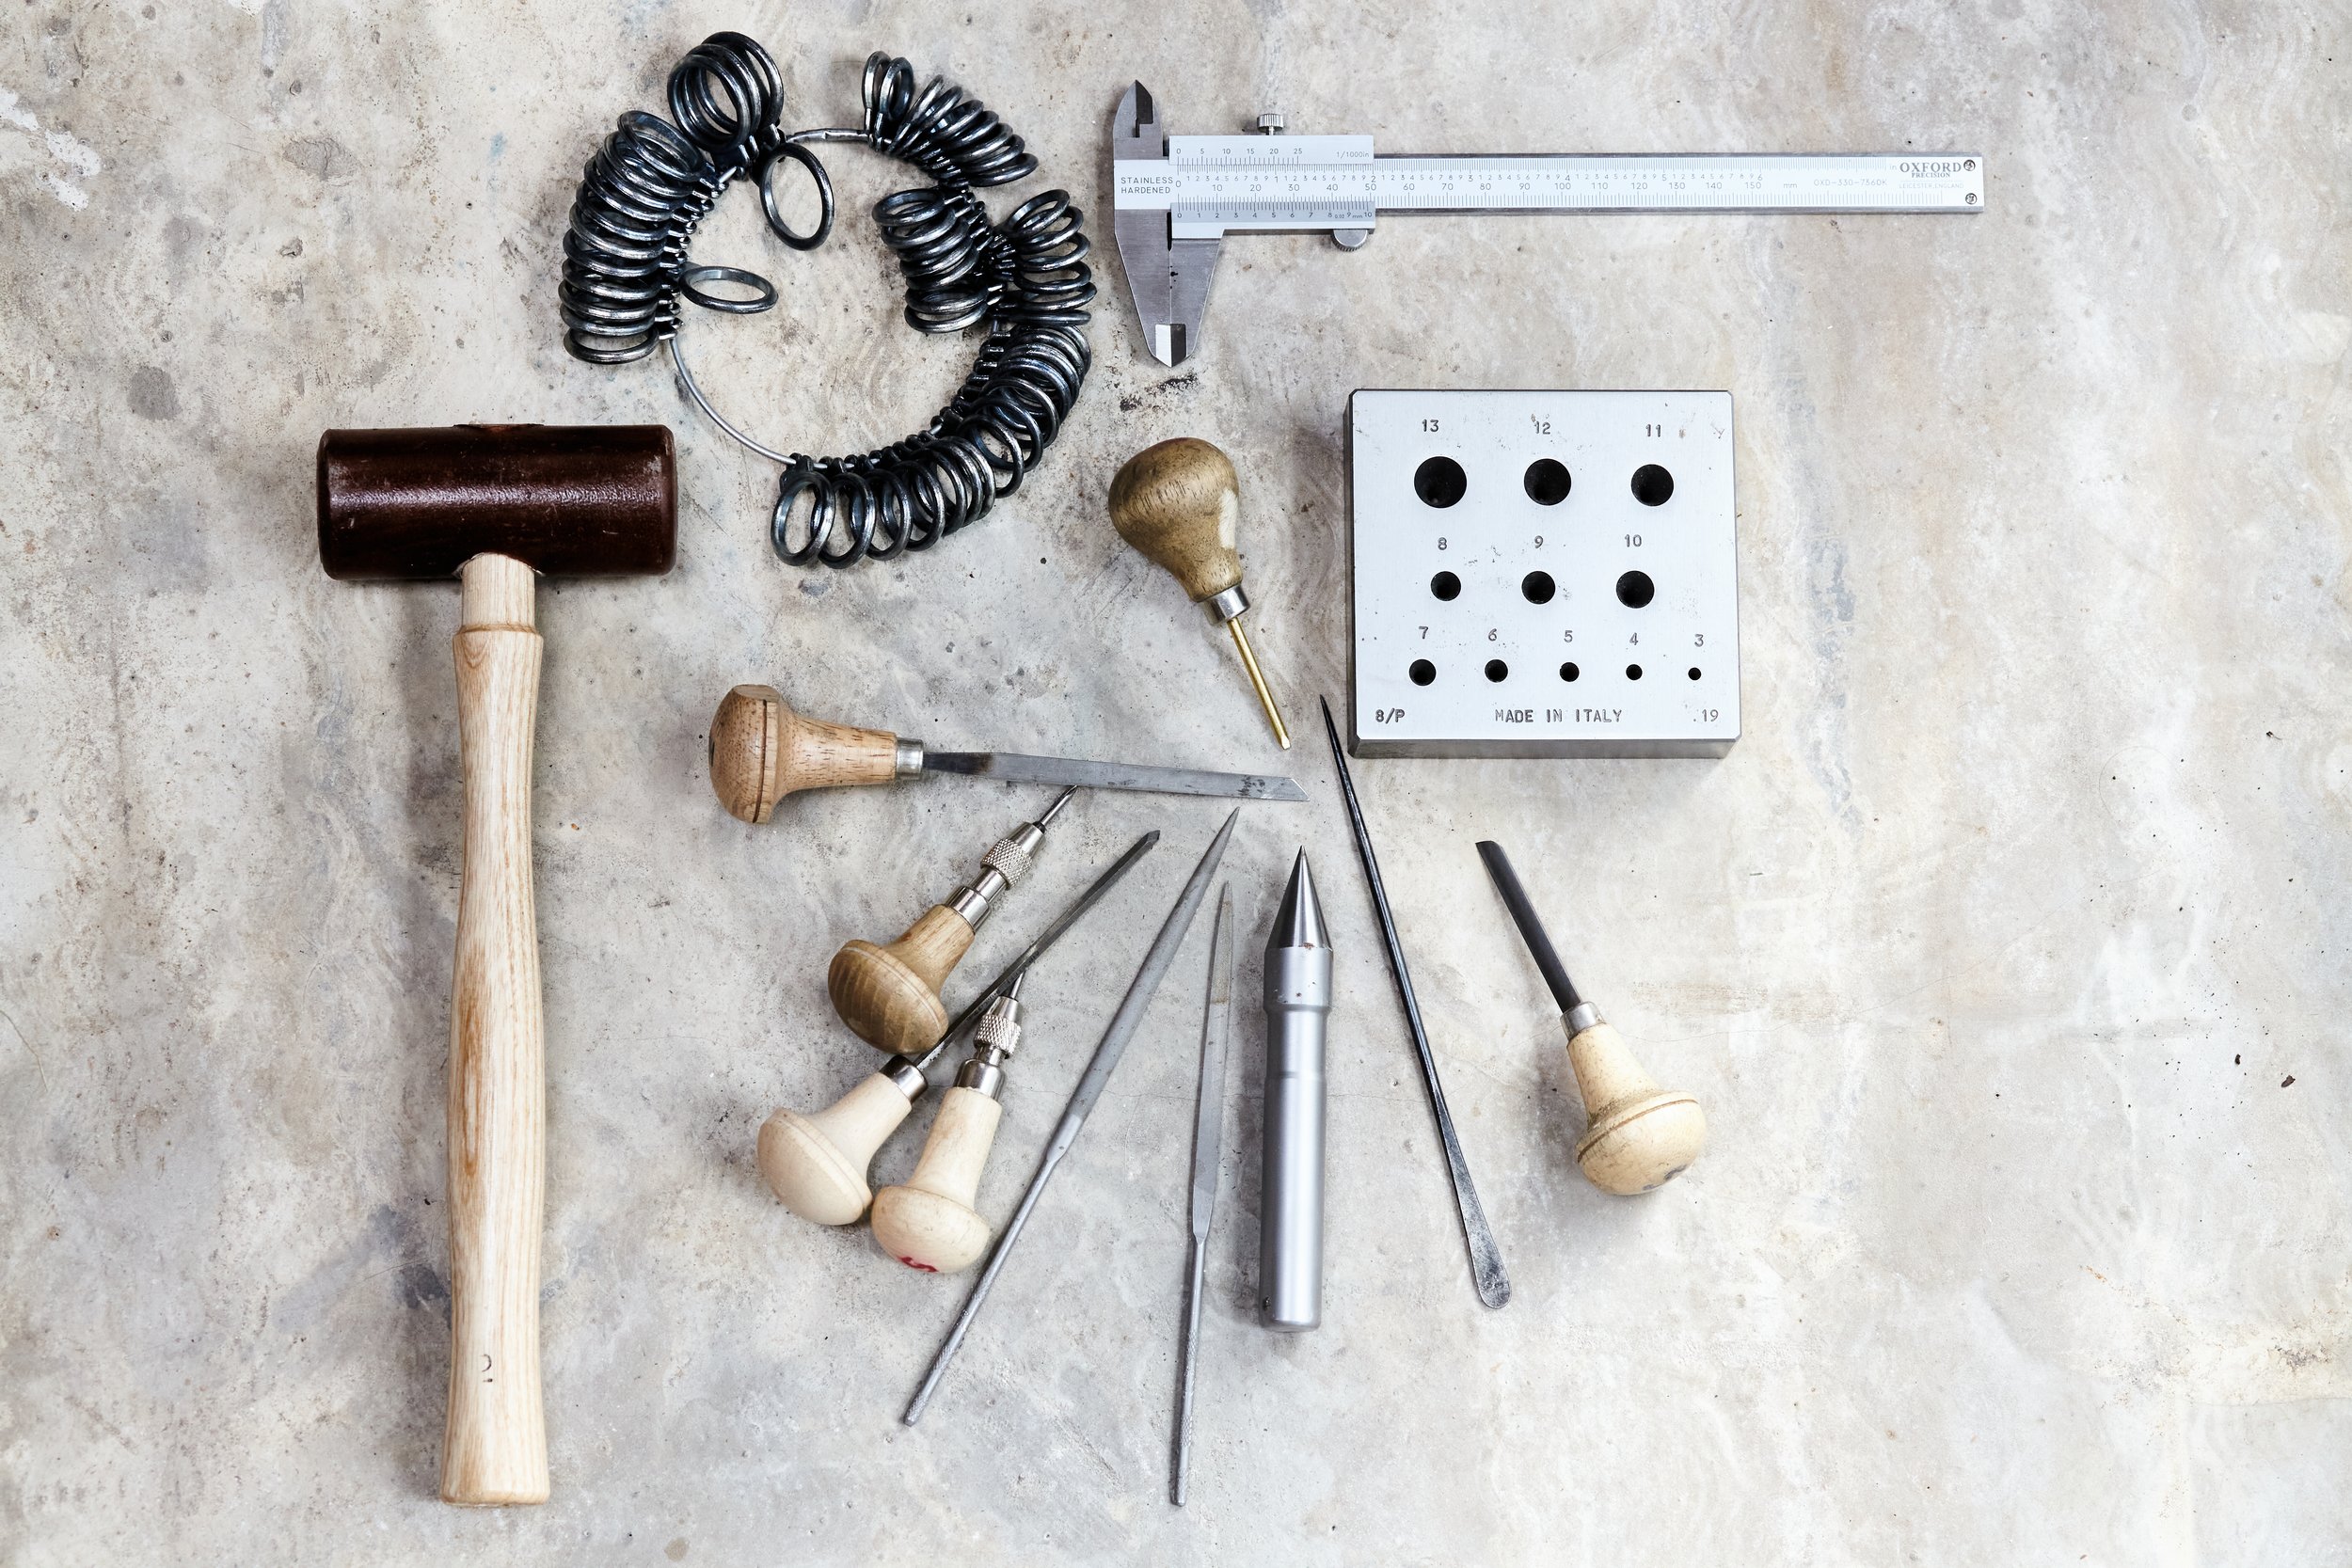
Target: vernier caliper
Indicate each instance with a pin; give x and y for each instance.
(1175, 199)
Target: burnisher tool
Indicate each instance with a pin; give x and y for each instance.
(1090, 1085)
(1637, 1136)
(1297, 1006)
(761, 751)
(496, 506)
(1485, 1258)
(816, 1164)
(1208, 1152)
(1180, 503)
(888, 995)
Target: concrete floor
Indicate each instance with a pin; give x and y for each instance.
(2005, 949)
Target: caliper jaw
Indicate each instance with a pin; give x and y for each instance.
(1167, 280)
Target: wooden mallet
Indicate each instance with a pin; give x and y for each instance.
(494, 505)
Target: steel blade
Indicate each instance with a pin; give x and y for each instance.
(1217, 1030)
(1011, 767)
(1097, 1073)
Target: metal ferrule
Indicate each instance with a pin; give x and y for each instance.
(986, 1077)
(908, 761)
(906, 1075)
(972, 900)
(1582, 1018)
(1228, 603)
(1006, 862)
(994, 1040)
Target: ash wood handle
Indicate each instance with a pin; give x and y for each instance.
(930, 1223)
(761, 751)
(1637, 1136)
(816, 1165)
(494, 1446)
(1180, 503)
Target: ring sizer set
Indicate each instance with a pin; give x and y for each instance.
(1543, 574)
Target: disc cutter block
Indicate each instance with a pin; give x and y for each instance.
(1543, 574)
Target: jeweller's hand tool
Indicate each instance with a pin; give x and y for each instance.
(1637, 1137)
(816, 1163)
(1486, 1258)
(1175, 199)
(889, 996)
(496, 505)
(930, 1222)
(761, 751)
(1180, 503)
(1089, 1089)
(1297, 1006)
(1208, 1149)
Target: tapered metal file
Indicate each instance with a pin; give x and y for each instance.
(1297, 1006)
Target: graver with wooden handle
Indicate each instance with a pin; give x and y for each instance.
(1637, 1137)
(495, 504)
(761, 751)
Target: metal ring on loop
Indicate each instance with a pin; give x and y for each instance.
(783, 231)
(690, 284)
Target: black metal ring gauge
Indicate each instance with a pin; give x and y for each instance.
(1025, 279)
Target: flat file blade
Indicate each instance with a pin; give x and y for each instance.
(1011, 767)
(1217, 1030)
(1208, 1149)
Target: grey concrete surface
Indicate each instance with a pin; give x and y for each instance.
(2007, 949)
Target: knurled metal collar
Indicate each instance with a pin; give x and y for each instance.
(1007, 858)
(999, 1029)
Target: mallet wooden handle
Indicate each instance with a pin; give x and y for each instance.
(761, 751)
(494, 1447)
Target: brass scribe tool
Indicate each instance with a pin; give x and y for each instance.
(1180, 503)
(761, 751)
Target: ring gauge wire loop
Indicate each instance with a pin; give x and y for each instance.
(1025, 279)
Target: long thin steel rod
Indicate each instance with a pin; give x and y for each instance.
(1486, 1258)
(1530, 925)
(1036, 950)
(1097, 1073)
(1208, 1151)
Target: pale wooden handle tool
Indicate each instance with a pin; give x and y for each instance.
(494, 1447)
(930, 1223)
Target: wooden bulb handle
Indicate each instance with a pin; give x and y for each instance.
(816, 1163)
(1637, 1136)
(889, 996)
(761, 751)
(1180, 503)
(930, 1223)
(494, 1447)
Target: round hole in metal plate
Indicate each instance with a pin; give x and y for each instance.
(1440, 482)
(1547, 482)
